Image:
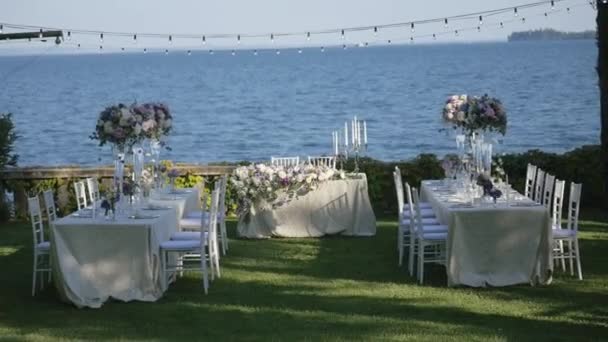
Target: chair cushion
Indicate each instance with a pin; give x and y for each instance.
(190, 222)
(198, 214)
(46, 245)
(187, 236)
(438, 228)
(434, 236)
(425, 213)
(181, 245)
(425, 221)
(563, 233)
(423, 205)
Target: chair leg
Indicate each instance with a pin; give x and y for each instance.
(224, 237)
(410, 259)
(421, 262)
(400, 245)
(34, 273)
(561, 253)
(571, 257)
(205, 273)
(578, 260)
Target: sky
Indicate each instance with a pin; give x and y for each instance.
(275, 16)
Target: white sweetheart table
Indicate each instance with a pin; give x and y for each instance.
(335, 207)
(96, 258)
(492, 245)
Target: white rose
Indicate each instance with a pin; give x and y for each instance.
(282, 174)
(454, 97)
(300, 178)
(107, 128)
(342, 175)
(460, 116)
(268, 189)
(137, 129)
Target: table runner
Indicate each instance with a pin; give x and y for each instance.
(95, 259)
(336, 206)
(493, 245)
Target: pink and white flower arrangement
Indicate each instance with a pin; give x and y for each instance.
(125, 126)
(475, 114)
(277, 185)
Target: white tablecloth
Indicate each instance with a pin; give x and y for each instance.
(95, 258)
(335, 207)
(498, 245)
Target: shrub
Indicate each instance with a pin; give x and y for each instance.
(8, 136)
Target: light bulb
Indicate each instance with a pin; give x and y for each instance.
(204, 40)
(605, 2)
(389, 41)
(145, 51)
(101, 37)
(552, 5)
(445, 22)
(342, 36)
(523, 20)
(189, 53)
(233, 53)
(300, 51)
(322, 49)
(170, 39)
(40, 34)
(546, 15)
(1, 28)
(515, 11)
(79, 45)
(413, 29)
(69, 35)
(478, 28)
(238, 39)
(100, 47)
(278, 52)
(456, 32)
(375, 31)
(255, 52)
(434, 36)
(272, 38)
(308, 36)
(480, 20)
(166, 51)
(211, 52)
(502, 25)
(411, 40)
(134, 39)
(343, 46)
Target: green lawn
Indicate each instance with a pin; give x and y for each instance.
(333, 288)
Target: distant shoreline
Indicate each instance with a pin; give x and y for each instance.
(550, 34)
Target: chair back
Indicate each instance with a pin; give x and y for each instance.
(548, 191)
(530, 181)
(222, 195)
(410, 199)
(323, 161)
(558, 203)
(81, 194)
(33, 204)
(574, 205)
(93, 190)
(49, 205)
(539, 183)
(285, 161)
(418, 214)
(399, 191)
(212, 224)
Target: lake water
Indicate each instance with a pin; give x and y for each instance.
(247, 107)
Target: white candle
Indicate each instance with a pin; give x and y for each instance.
(346, 134)
(359, 133)
(352, 124)
(365, 132)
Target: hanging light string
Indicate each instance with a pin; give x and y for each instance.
(455, 32)
(342, 31)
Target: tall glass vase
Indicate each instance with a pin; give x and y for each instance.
(118, 153)
(155, 147)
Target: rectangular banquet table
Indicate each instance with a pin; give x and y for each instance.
(336, 206)
(96, 258)
(495, 245)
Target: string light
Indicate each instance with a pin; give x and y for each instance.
(413, 29)
(1, 28)
(480, 20)
(299, 51)
(233, 52)
(552, 5)
(69, 35)
(170, 39)
(40, 34)
(322, 49)
(446, 22)
(375, 30)
(434, 36)
(134, 39)
(568, 10)
(79, 45)
(166, 51)
(343, 46)
(523, 20)
(189, 52)
(278, 52)
(145, 50)
(211, 52)
(204, 40)
(308, 36)
(100, 36)
(502, 25)
(515, 11)
(100, 47)
(456, 33)
(411, 40)
(478, 28)
(389, 41)
(255, 52)
(272, 38)
(122, 49)
(342, 36)
(238, 39)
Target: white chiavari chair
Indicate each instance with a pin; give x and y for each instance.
(548, 191)
(323, 161)
(285, 161)
(192, 221)
(42, 248)
(81, 195)
(556, 215)
(569, 235)
(423, 205)
(430, 224)
(403, 231)
(538, 186)
(530, 181)
(93, 190)
(204, 250)
(434, 237)
(49, 205)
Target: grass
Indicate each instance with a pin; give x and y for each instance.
(335, 288)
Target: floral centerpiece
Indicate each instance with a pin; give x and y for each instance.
(117, 125)
(156, 120)
(472, 114)
(276, 184)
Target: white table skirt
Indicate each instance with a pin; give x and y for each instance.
(335, 207)
(95, 259)
(495, 246)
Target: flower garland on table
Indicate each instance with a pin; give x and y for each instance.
(125, 126)
(277, 184)
(475, 114)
